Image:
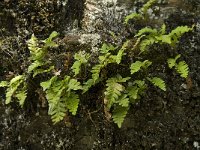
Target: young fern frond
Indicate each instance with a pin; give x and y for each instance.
(158, 82)
(81, 58)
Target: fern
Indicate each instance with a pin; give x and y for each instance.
(4, 83)
(119, 113)
(146, 30)
(114, 89)
(143, 12)
(135, 67)
(61, 96)
(158, 82)
(147, 6)
(15, 88)
(80, 58)
(39, 53)
(181, 67)
(132, 16)
(178, 32)
(104, 59)
(72, 103)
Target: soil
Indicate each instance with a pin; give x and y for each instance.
(160, 120)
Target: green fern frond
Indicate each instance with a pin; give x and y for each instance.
(15, 88)
(4, 83)
(163, 29)
(49, 41)
(135, 67)
(143, 12)
(96, 71)
(57, 110)
(133, 92)
(146, 30)
(72, 103)
(147, 6)
(61, 96)
(172, 61)
(74, 85)
(21, 96)
(183, 69)
(40, 71)
(144, 44)
(81, 58)
(132, 16)
(114, 89)
(123, 100)
(38, 54)
(119, 113)
(158, 82)
(47, 84)
(107, 48)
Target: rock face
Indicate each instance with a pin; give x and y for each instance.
(155, 122)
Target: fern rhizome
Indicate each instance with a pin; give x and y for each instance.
(121, 88)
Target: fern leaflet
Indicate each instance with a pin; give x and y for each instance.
(182, 68)
(135, 67)
(119, 113)
(158, 82)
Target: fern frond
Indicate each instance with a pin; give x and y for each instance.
(133, 92)
(72, 103)
(163, 29)
(47, 84)
(88, 84)
(132, 16)
(114, 89)
(183, 69)
(57, 110)
(81, 58)
(74, 85)
(144, 44)
(13, 87)
(39, 53)
(172, 61)
(146, 30)
(147, 6)
(49, 41)
(4, 83)
(178, 32)
(21, 96)
(158, 82)
(123, 100)
(135, 67)
(40, 71)
(107, 48)
(119, 113)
